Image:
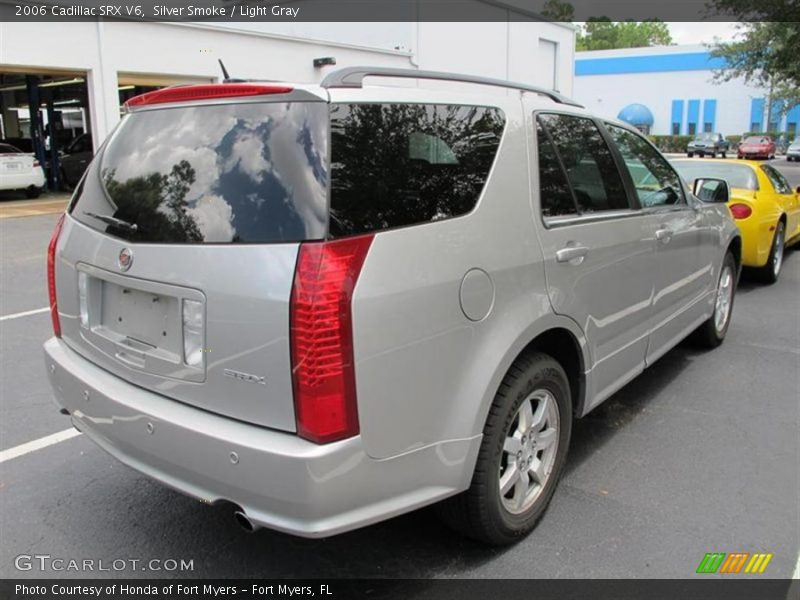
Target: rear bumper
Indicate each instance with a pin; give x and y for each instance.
(21, 181)
(279, 480)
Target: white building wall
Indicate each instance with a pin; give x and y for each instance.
(499, 49)
(606, 95)
(168, 53)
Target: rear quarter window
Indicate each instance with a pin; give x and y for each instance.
(394, 165)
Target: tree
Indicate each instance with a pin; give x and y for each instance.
(556, 10)
(600, 33)
(764, 52)
(156, 203)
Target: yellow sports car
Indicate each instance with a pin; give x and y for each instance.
(763, 204)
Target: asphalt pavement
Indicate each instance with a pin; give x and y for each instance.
(699, 454)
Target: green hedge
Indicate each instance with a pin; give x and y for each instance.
(671, 143)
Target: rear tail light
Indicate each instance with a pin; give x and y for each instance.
(210, 91)
(51, 275)
(740, 211)
(321, 328)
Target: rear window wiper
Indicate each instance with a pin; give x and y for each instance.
(112, 221)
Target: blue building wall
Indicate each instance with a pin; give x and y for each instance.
(687, 115)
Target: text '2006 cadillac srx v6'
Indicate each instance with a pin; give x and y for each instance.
(331, 304)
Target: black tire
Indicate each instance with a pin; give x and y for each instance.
(713, 155)
(724, 155)
(690, 154)
(708, 335)
(769, 273)
(479, 512)
(33, 192)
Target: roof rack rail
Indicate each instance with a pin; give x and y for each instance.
(353, 77)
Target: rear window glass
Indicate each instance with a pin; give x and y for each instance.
(227, 173)
(394, 165)
(6, 149)
(740, 177)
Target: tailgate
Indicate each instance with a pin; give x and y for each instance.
(175, 266)
(133, 323)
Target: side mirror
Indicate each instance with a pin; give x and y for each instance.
(713, 190)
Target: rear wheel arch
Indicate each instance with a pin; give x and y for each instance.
(564, 348)
(560, 339)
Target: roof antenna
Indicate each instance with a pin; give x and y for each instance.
(228, 78)
(224, 71)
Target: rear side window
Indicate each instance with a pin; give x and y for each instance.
(777, 180)
(556, 197)
(590, 166)
(394, 165)
(226, 173)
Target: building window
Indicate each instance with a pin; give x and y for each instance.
(755, 127)
(708, 127)
(676, 129)
(692, 128)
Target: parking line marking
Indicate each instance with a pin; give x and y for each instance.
(35, 445)
(26, 313)
(796, 574)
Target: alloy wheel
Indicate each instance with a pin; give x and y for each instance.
(529, 451)
(722, 308)
(777, 255)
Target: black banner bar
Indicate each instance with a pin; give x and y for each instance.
(384, 10)
(408, 589)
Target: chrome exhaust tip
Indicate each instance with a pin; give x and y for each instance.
(244, 522)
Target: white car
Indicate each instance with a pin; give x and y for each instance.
(793, 152)
(20, 171)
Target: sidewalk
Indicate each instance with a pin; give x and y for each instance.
(47, 204)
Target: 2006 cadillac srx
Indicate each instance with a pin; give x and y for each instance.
(331, 304)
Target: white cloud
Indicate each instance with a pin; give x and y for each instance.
(213, 217)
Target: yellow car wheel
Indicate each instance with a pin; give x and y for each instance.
(770, 272)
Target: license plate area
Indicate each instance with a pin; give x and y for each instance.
(138, 323)
(148, 320)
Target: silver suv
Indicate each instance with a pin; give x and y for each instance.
(333, 304)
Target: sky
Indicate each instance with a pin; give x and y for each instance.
(701, 33)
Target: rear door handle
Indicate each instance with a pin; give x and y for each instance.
(664, 235)
(571, 253)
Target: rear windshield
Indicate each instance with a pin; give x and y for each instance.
(227, 173)
(740, 177)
